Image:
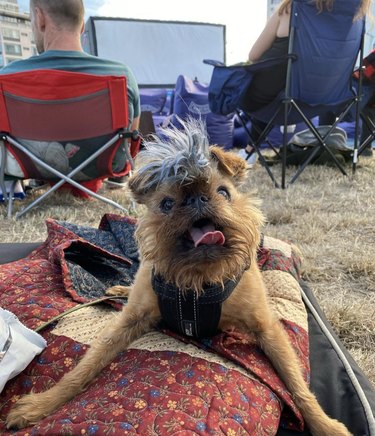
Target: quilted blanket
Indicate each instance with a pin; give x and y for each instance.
(163, 384)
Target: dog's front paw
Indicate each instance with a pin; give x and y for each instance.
(27, 411)
(118, 291)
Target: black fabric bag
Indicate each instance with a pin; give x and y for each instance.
(229, 84)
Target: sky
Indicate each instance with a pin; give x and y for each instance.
(244, 20)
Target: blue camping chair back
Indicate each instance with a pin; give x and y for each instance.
(326, 45)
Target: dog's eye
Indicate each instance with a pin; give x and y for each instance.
(167, 204)
(224, 192)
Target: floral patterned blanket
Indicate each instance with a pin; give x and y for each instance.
(164, 384)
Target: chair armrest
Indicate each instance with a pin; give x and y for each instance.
(255, 66)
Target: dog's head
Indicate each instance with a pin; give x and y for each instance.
(198, 228)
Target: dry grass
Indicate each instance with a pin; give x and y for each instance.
(331, 218)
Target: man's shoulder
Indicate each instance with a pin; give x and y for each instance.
(18, 66)
(85, 62)
(103, 61)
(109, 62)
(68, 61)
(99, 65)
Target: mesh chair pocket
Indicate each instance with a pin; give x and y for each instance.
(59, 120)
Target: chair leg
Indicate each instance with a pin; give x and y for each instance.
(255, 144)
(321, 141)
(67, 178)
(7, 197)
(10, 199)
(82, 188)
(368, 131)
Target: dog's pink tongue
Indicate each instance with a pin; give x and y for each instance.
(206, 235)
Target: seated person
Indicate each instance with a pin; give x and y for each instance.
(57, 29)
(273, 42)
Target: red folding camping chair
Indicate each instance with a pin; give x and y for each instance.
(64, 127)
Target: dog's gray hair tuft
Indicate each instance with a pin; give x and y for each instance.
(175, 155)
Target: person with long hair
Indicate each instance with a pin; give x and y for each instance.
(273, 42)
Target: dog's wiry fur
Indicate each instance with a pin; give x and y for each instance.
(182, 181)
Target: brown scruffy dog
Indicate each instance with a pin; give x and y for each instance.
(197, 240)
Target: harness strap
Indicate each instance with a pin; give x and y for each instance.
(189, 313)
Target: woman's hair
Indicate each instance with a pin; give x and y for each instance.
(326, 4)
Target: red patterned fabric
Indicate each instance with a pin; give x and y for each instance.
(140, 392)
(368, 74)
(275, 260)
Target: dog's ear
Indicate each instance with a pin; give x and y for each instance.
(137, 187)
(229, 163)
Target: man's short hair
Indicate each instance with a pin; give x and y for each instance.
(68, 13)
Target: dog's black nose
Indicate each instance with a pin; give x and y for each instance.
(196, 200)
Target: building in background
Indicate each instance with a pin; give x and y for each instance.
(16, 39)
(271, 6)
(370, 25)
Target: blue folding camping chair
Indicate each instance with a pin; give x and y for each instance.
(323, 50)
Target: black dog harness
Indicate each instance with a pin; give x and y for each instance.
(187, 312)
